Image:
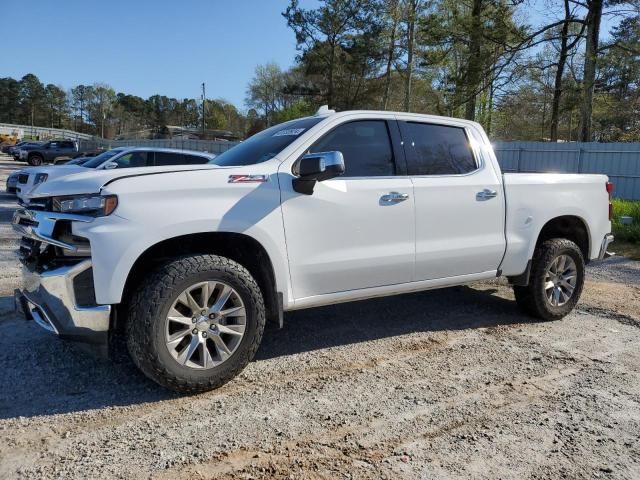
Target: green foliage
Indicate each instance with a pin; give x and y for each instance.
(97, 108)
(298, 109)
(627, 233)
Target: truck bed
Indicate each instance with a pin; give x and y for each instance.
(533, 197)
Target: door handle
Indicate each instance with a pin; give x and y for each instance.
(486, 194)
(394, 197)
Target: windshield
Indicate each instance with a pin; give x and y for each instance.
(100, 159)
(266, 144)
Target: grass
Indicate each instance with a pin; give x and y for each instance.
(626, 233)
(627, 241)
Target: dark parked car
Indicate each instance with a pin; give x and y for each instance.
(49, 152)
(14, 150)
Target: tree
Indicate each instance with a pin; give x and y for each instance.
(563, 53)
(616, 114)
(392, 14)
(80, 97)
(324, 34)
(265, 92)
(593, 20)
(100, 104)
(32, 98)
(411, 8)
(9, 100)
(55, 99)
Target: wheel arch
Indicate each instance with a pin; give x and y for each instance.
(570, 227)
(241, 248)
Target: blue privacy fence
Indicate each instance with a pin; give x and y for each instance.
(620, 161)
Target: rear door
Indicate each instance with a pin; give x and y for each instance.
(351, 233)
(51, 151)
(458, 199)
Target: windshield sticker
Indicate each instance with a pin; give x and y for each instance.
(290, 131)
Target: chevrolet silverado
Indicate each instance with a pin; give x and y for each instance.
(187, 263)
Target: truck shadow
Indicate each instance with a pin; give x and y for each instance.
(455, 308)
(44, 376)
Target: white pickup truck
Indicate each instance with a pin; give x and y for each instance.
(187, 263)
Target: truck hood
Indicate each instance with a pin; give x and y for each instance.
(92, 181)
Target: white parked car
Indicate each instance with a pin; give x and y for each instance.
(120, 157)
(187, 263)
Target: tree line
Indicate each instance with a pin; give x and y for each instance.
(474, 59)
(97, 109)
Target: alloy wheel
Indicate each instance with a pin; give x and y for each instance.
(205, 325)
(560, 280)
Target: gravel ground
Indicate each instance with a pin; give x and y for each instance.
(454, 383)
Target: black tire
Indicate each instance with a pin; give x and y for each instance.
(35, 160)
(149, 306)
(532, 299)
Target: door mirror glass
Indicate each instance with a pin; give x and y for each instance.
(110, 165)
(316, 167)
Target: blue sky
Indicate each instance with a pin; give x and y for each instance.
(144, 47)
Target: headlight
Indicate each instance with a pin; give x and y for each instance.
(40, 177)
(94, 205)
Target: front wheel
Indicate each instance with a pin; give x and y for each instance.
(195, 323)
(35, 160)
(556, 280)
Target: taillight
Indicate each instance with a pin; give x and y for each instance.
(609, 187)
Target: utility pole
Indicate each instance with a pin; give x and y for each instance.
(204, 110)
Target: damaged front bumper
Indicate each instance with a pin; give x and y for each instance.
(58, 291)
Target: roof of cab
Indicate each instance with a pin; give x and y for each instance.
(324, 111)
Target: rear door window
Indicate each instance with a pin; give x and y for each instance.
(437, 149)
(135, 159)
(195, 160)
(169, 158)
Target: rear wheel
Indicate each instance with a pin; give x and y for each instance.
(35, 160)
(556, 280)
(195, 323)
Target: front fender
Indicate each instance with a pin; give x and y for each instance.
(152, 210)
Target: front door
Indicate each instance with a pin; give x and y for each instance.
(357, 230)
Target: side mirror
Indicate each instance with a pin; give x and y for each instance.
(110, 165)
(316, 167)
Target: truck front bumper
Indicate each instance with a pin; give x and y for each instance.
(50, 298)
